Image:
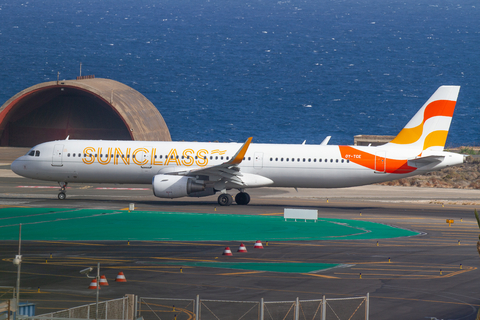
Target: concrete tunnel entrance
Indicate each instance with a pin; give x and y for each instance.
(81, 109)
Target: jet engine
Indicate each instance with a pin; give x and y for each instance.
(172, 186)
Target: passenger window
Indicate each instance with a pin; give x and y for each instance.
(336, 160)
(249, 158)
(331, 160)
(276, 159)
(343, 160)
(309, 160)
(319, 160)
(298, 159)
(286, 159)
(73, 155)
(281, 159)
(315, 160)
(79, 155)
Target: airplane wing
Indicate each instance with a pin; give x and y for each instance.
(229, 171)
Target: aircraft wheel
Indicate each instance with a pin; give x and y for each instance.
(242, 198)
(62, 196)
(225, 199)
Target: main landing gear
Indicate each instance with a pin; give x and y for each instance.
(226, 199)
(62, 194)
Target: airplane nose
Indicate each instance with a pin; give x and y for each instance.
(16, 166)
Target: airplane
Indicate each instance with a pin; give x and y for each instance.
(198, 169)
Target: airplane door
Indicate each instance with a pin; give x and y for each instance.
(146, 156)
(380, 162)
(258, 160)
(57, 155)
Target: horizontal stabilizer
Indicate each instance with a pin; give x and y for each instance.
(424, 161)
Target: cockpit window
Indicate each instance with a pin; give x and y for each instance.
(31, 153)
(37, 153)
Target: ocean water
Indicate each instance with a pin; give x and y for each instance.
(280, 71)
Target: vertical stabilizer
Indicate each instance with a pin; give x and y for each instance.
(428, 129)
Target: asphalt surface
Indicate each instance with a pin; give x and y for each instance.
(433, 275)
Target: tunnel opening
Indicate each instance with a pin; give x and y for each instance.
(56, 113)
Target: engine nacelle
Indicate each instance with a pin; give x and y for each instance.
(171, 186)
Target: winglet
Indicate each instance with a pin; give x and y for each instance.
(238, 157)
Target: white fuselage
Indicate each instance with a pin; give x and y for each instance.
(137, 162)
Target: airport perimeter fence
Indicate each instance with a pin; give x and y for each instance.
(352, 308)
(130, 308)
(117, 309)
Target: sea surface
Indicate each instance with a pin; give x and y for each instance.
(280, 71)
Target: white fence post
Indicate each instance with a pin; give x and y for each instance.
(297, 307)
(324, 308)
(197, 308)
(262, 304)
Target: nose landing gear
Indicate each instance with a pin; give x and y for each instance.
(62, 194)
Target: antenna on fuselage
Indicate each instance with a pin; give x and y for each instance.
(325, 141)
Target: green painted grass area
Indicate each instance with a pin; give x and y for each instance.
(92, 224)
(286, 267)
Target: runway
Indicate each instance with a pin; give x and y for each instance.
(433, 274)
